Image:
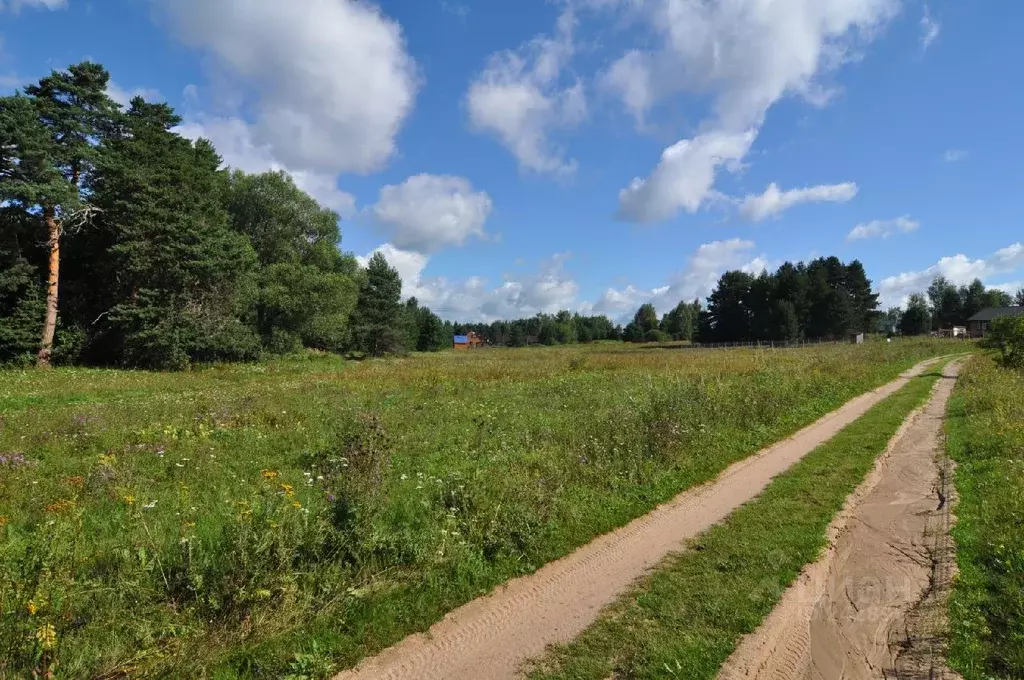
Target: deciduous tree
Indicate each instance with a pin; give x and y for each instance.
(307, 286)
(916, 319)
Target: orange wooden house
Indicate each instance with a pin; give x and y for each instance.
(469, 341)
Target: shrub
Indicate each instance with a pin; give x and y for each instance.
(1007, 335)
(656, 335)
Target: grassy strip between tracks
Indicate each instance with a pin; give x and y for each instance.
(986, 439)
(686, 618)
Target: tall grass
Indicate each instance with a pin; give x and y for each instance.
(254, 521)
(986, 439)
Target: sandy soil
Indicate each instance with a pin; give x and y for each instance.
(873, 605)
(491, 636)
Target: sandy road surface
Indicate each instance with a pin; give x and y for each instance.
(873, 605)
(491, 636)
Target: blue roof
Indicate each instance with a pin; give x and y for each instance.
(461, 340)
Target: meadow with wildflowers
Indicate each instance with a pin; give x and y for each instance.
(286, 519)
(986, 439)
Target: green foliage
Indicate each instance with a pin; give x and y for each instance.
(306, 303)
(1007, 335)
(916, 319)
(986, 439)
(377, 322)
(184, 277)
(952, 306)
(152, 518)
(21, 309)
(563, 328)
(889, 322)
(646, 319)
(785, 324)
(307, 288)
(166, 259)
(51, 137)
(729, 309)
(656, 335)
(431, 335)
(680, 323)
(824, 298)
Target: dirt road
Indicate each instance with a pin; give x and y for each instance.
(873, 605)
(491, 636)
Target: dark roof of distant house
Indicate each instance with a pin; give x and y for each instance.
(995, 312)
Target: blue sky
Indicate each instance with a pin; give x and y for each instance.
(510, 158)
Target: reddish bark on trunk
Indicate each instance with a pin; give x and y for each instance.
(45, 356)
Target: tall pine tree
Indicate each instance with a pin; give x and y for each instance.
(377, 319)
(185, 279)
(52, 136)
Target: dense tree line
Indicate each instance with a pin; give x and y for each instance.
(543, 329)
(944, 306)
(822, 299)
(122, 243)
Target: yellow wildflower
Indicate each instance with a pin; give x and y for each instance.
(46, 636)
(288, 489)
(129, 499)
(32, 608)
(268, 474)
(296, 504)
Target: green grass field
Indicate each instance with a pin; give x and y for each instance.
(986, 439)
(256, 521)
(685, 619)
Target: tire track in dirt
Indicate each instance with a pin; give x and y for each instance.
(873, 605)
(490, 637)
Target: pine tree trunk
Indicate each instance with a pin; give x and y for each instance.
(44, 359)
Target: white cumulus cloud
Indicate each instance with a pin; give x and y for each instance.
(883, 228)
(684, 178)
(629, 78)
(775, 201)
(742, 54)
(520, 97)
(695, 280)
(959, 269)
(428, 212)
(233, 138)
(548, 290)
(954, 155)
(330, 81)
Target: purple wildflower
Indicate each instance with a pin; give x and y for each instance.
(14, 460)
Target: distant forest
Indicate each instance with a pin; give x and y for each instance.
(125, 244)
